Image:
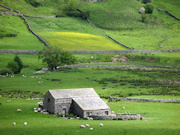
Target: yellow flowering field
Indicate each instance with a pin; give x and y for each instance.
(80, 41)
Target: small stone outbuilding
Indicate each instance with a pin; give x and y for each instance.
(82, 102)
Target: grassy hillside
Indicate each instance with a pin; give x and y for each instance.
(47, 7)
(171, 5)
(15, 35)
(72, 34)
(121, 20)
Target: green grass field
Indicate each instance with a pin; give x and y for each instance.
(161, 118)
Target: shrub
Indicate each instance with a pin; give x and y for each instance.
(147, 1)
(141, 118)
(149, 8)
(120, 118)
(13, 66)
(19, 62)
(34, 3)
(5, 70)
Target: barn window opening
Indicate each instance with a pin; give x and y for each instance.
(106, 112)
(49, 100)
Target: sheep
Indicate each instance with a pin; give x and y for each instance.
(14, 123)
(91, 128)
(112, 112)
(90, 118)
(25, 123)
(101, 124)
(19, 110)
(87, 125)
(82, 126)
(123, 108)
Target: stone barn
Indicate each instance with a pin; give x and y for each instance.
(82, 102)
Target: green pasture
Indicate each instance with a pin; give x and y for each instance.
(23, 40)
(171, 5)
(72, 34)
(114, 14)
(160, 119)
(106, 81)
(48, 7)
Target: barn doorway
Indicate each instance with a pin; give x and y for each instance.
(64, 111)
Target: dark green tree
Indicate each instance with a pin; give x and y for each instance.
(67, 58)
(13, 66)
(19, 62)
(54, 57)
(149, 8)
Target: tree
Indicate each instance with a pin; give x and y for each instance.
(149, 8)
(67, 58)
(54, 57)
(19, 62)
(13, 66)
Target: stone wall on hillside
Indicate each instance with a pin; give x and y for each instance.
(168, 13)
(144, 100)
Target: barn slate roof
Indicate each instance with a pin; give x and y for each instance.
(73, 93)
(86, 98)
(91, 103)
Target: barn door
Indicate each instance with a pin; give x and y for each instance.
(64, 111)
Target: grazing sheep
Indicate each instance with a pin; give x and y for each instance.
(112, 112)
(101, 124)
(82, 126)
(25, 123)
(90, 118)
(19, 110)
(87, 125)
(123, 108)
(91, 128)
(14, 123)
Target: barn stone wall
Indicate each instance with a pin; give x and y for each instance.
(48, 103)
(62, 104)
(76, 109)
(103, 112)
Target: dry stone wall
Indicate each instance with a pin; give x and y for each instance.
(21, 15)
(168, 13)
(144, 100)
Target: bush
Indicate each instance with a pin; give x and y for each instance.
(120, 118)
(5, 70)
(13, 66)
(19, 62)
(141, 118)
(147, 1)
(34, 3)
(149, 8)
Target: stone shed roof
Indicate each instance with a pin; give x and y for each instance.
(73, 93)
(91, 103)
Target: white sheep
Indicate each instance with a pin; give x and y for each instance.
(87, 125)
(14, 123)
(91, 128)
(123, 108)
(19, 110)
(90, 118)
(82, 126)
(101, 124)
(112, 112)
(25, 123)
